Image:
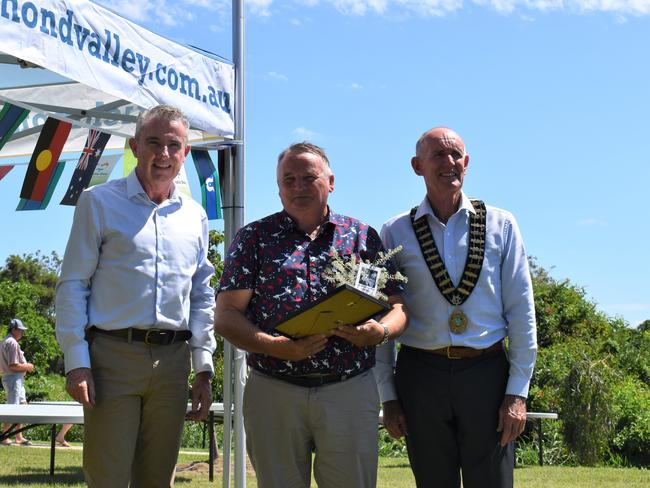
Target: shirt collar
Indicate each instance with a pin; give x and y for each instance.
(425, 207)
(133, 188)
(286, 222)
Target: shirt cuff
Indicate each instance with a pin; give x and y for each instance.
(77, 356)
(202, 361)
(518, 386)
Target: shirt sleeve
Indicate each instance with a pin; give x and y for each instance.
(240, 266)
(73, 287)
(201, 321)
(518, 310)
(13, 353)
(385, 355)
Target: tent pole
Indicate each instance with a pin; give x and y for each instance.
(240, 370)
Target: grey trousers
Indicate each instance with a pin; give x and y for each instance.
(133, 433)
(285, 423)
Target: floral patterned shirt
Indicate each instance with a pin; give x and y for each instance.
(283, 267)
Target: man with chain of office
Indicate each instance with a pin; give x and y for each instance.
(455, 391)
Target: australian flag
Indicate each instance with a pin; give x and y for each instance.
(92, 152)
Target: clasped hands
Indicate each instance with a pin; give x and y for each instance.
(369, 333)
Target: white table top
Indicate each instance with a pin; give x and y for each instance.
(541, 415)
(42, 413)
(58, 413)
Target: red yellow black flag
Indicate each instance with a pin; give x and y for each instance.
(44, 158)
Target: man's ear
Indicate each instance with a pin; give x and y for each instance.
(134, 146)
(466, 163)
(415, 164)
(187, 149)
(331, 178)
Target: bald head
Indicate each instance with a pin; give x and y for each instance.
(444, 136)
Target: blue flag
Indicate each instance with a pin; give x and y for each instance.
(209, 179)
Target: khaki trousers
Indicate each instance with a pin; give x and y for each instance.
(133, 433)
(338, 422)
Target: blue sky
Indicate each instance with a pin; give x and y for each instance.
(551, 97)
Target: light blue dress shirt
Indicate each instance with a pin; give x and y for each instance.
(500, 305)
(131, 262)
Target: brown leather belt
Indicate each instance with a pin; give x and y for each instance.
(460, 352)
(159, 337)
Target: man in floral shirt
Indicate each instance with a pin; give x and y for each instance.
(313, 393)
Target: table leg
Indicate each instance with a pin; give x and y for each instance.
(211, 445)
(539, 442)
(52, 448)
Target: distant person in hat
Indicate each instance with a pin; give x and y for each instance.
(13, 368)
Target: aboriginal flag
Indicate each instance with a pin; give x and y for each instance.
(43, 163)
(11, 117)
(209, 178)
(25, 204)
(92, 152)
(4, 170)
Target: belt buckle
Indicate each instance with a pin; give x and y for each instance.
(159, 333)
(449, 356)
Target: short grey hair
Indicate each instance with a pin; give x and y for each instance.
(166, 112)
(307, 147)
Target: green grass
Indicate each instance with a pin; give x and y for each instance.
(29, 467)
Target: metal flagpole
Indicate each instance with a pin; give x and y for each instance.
(240, 371)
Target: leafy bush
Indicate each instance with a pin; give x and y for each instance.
(586, 409)
(631, 411)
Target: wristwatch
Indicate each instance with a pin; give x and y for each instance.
(384, 339)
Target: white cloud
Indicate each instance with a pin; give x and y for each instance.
(356, 86)
(175, 13)
(431, 8)
(277, 76)
(304, 134)
(259, 7)
(170, 14)
(359, 7)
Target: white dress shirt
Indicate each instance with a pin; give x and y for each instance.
(131, 262)
(500, 305)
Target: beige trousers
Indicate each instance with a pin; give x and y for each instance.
(133, 433)
(338, 422)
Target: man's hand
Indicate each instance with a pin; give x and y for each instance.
(394, 420)
(201, 397)
(369, 333)
(512, 418)
(298, 349)
(80, 386)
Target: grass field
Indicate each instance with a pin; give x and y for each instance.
(29, 467)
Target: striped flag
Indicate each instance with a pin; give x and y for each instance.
(4, 170)
(209, 178)
(90, 155)
(11, 117)
(43, 162)
(26, 204)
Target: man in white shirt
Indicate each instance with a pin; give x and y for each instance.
(134, 305)
(455, 392)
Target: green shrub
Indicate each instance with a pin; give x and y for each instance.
(586, 409)
(631, 411)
